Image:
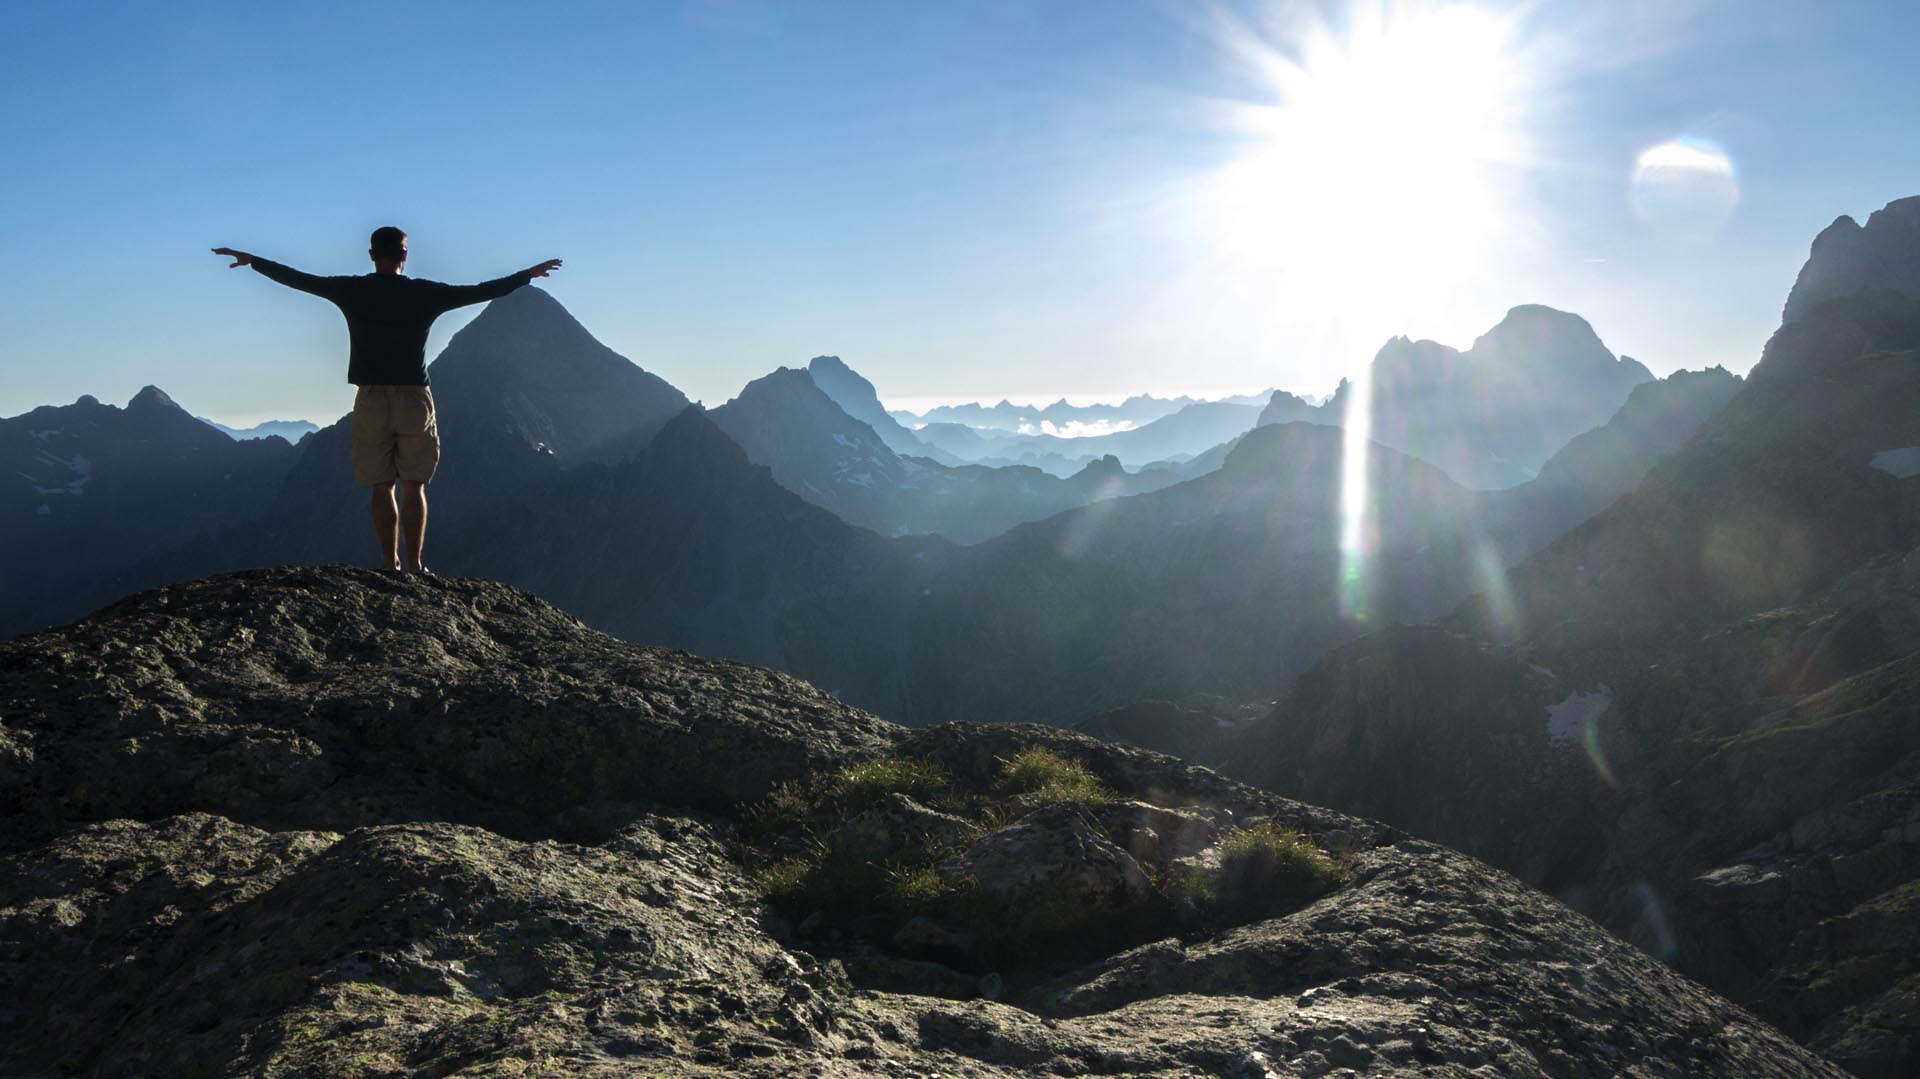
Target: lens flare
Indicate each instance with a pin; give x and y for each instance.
(1597, 754)
(1686, 188)
(1490, 575)
(1356, 509)
(1660, 940)
(1091, 520)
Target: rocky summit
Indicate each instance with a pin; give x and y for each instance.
(326, 822)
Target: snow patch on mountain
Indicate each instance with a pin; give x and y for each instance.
(1902, 463)
(78, 471)
(1567, 721)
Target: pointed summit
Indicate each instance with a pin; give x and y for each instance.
(526, 367)
(153, 397)
(857, 397)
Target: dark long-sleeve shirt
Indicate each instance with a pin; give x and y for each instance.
(388, 316)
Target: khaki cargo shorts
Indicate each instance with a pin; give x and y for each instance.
(395, 436)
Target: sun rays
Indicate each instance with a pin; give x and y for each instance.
(1372, 168)
(1371, 185)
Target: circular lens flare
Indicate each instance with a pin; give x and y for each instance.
(1685, 188)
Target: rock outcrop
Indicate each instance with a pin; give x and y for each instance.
(1848, 257)
(327, 822)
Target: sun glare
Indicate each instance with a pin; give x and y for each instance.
(1372, 172)
(1370, 190)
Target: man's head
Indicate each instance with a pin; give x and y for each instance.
(388, 248)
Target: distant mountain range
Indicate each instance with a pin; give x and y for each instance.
(1174, 438)
(750, 531)
(291, 430)
(826, 456)
(1027, 419)
(1489, 417)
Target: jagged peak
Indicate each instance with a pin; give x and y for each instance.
(1842, 227)
(1100, 468)
(1847, 257)
(782, 381)
(692, 438)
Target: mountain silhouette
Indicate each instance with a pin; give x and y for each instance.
(1492, 415)
(815, 449)
(857, 398)
(1848, 258)
(88, 489)
(526, 370)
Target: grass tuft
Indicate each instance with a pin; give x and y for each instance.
(916, 890)
(866, 783)
(1268, 866)
(1041, 777)
(787, 880)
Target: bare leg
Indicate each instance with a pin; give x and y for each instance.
(413, 522)
(386, 523)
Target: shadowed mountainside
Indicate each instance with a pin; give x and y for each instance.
(87, 489)
(1692, 716)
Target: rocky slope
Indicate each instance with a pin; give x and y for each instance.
(332, 822)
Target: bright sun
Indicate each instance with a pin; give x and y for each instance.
(1368, 199)
(1372, 174)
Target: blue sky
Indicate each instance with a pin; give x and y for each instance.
(963, 200)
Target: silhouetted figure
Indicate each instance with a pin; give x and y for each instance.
(396, 437)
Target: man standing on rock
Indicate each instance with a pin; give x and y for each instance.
(396, 438)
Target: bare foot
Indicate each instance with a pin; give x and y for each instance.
(421, 569)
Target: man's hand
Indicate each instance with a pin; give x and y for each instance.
(241, 258)
(545, 268)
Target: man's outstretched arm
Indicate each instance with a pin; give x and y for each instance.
(461, 295)
(323, 287)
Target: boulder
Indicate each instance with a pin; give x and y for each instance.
(897, 824)
(1155, 834)
(1051, 872)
